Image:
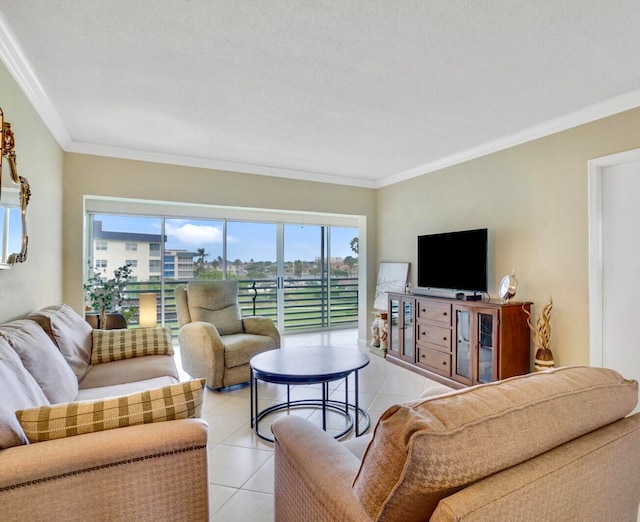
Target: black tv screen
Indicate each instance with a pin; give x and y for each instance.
(453, 260)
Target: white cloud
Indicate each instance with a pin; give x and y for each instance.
(197, 235)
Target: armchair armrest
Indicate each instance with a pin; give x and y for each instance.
(313, 474)
(145, 472)
(259, 325)
(202, 352)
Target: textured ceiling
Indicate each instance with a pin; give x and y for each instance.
(356, 92)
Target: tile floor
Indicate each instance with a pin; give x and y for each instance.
(241, 464)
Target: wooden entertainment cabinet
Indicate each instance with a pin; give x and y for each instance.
(458, 343)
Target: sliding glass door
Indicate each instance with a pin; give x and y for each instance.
(302, 276)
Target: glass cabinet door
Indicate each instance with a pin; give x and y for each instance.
(487, 326)
(462, 353)
(394, 326)
(407, 344)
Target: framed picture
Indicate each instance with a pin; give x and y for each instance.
(392, 277)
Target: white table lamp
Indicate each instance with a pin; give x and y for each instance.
(148, 310)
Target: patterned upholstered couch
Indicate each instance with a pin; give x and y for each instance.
(557, 445)
(63, 389)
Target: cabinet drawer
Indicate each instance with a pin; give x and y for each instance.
(435, 335)
(434, 360)
(436, 312)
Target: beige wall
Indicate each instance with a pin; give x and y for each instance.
(100, 176)
(533, 200)
(37, 282)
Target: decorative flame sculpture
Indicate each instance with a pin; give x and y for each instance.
(542, 337)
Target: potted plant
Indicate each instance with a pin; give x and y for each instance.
(106, 295)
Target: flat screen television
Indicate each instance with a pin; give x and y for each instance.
(453, 261)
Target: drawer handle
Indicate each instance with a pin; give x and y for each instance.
(444, 338)
(444, 363)
(444, 313)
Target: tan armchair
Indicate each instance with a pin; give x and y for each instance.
(216, 342)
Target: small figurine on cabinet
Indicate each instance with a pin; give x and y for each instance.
(383, 330)
(375, 332)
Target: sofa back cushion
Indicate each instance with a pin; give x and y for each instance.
(424, 451)
(42, 359)
(216, 302)
(18, 390)
(70, 332)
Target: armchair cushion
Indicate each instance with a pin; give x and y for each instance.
(179, 401)
(42, 359)
(423, 451)
(240, 348)
(114, 345)
(18, 389)
(70, 332)
(216, 302)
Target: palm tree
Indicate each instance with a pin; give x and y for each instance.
(355, 245)
(199, 264)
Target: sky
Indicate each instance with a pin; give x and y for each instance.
(245, 240)
(14, 232)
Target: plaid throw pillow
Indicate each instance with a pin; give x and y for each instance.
(179, 401)
(113, 345)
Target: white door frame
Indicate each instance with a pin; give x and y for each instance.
(596, 169)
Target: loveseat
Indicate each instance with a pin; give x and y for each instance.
(95, 425)
(557, 445)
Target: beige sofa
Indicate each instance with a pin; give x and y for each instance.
(150, 471)
(554, 446)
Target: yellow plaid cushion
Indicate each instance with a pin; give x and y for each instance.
(179, 401)
(113, 345)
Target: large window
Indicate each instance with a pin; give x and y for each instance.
(301, 275)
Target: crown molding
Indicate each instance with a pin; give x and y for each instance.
(210, 163)
(591, 113)
(18, 66)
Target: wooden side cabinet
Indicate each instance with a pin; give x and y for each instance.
(459, 343)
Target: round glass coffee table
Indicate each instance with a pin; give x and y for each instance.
(310, 365)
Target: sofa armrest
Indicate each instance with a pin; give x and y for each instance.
(202, 352)
(145, 472)
(313, 474)
(259, 325)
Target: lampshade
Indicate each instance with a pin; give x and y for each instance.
(148, 309)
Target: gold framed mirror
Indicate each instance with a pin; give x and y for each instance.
(13, 203)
